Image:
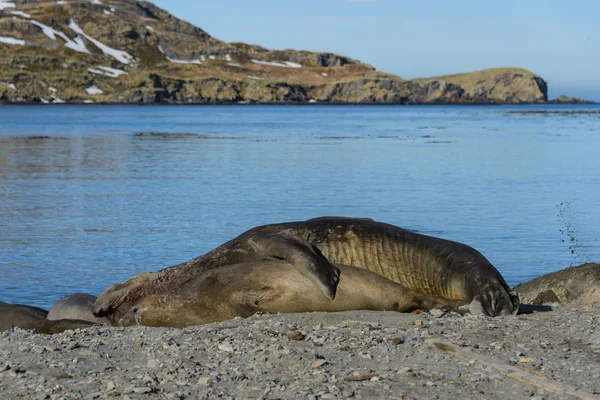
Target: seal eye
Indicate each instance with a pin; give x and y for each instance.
(135, 309)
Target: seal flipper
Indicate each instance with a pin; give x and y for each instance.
(303, 255)
(495, 300)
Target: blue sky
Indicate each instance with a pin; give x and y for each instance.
(559, 40)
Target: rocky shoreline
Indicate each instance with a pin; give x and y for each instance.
(357, 355)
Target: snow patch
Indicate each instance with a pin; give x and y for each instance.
(212, 57)
(234, 64)
(12, 86)
(88, 101)
(52, 89)
(285, 64)
(44, 101)
(61, 2)
(312, 101)
(57, 100)
(255, 77)
(149, 28)
(111, 72)
(95, 2)
(173, 60)
(293, 64)
(227, 57)
(120, 55)
(324, 74)
(77, 44)
(6, 4)
(107, 12)
(93, 90)
(21, 14)
(74, 44)
(13, 41)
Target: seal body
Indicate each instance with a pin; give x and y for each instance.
(76, 306)
(12, 316)
(576, 285)
(273, 286)
(421, 263)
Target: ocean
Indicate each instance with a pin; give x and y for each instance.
(91, 195)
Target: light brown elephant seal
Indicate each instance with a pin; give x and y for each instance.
(272, 286)
(76, 306)
(12, 316)
(422, 263)
(575, 285)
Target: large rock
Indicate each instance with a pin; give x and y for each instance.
(576, 285)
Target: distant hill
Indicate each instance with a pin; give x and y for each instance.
(126, 51)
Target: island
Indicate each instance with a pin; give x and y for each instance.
(132, 52)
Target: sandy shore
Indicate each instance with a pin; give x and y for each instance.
(358, 355)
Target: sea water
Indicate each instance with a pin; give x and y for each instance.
(91, 195)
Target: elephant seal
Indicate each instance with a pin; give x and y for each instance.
(76, 306)
(12, 316)
(422, 263)
(272, 286)
(36, 310)
(576, 285)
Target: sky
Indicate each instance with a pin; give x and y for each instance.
(556, 39)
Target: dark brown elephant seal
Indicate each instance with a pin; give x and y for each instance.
(272, 286)
(76, 306)
(575, 285)
(36, 310)
(12, 316)
(422, 263)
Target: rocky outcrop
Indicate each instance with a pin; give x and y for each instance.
(575, 285)
(497, 85)
(562, 99)
(126, 51)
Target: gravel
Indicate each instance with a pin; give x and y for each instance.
(356, 355)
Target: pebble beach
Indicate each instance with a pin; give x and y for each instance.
(546, 353)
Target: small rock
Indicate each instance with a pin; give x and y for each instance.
(297, 335)
(437, 313)
(225, 347)
(204, 380)
(319, 363)
(361, 377)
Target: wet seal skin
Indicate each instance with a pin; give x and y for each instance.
(424, 264)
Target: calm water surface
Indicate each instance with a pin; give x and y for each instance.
(93, 202)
